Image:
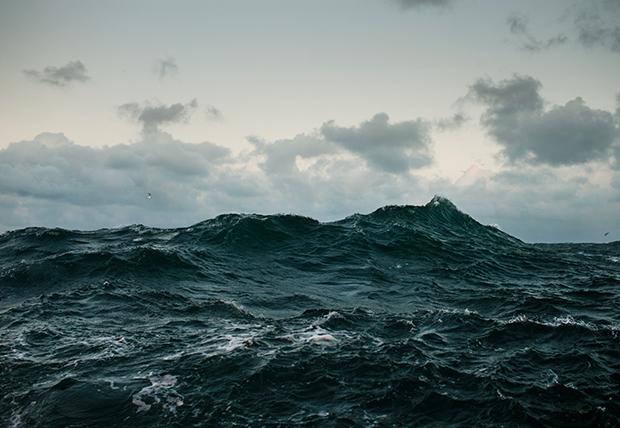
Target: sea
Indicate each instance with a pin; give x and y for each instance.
(407, 316)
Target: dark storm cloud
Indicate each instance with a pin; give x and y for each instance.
(391, 147)
(166, 67)
(152, 116)
(65, 75)
(516, 118)
(409, 4)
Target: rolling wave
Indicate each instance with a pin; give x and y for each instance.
(409, 315)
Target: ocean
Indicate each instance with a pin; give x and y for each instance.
(408, 316)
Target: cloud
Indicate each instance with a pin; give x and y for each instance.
(152, 116)
(51, 181)
(65, 75)
(518, 26)
(213, 113)
(410, 4)
(391, 147)
(593, 24)
(394, 148)
(280, 157)
(516, 118)
(166, 67)
(535, 45)
(70, 180)
(597, 24)
(451, 123)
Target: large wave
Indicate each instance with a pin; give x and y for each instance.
(407, 315)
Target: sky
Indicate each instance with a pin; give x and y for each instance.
(167, 113)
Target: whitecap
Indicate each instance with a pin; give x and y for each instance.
(160, 391)
(313, 335)
(554, 322)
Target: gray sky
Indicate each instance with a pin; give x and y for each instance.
(321, 108)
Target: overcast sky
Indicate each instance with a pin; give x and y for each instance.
(322, 108)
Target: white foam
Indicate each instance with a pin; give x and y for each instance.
(333, 315)
(314, 335)
(225, 339)
(161, 391)
(552, 378)
(554, 322)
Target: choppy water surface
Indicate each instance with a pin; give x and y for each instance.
(409, 315)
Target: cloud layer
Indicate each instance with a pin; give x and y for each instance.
(52, 181)
(71, 181)
(62, 76)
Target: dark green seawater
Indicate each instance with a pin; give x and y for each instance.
(409, 316)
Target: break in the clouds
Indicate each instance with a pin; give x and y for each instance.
(152, 116)
(74, 71)
(516, 117)
(166, 67)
